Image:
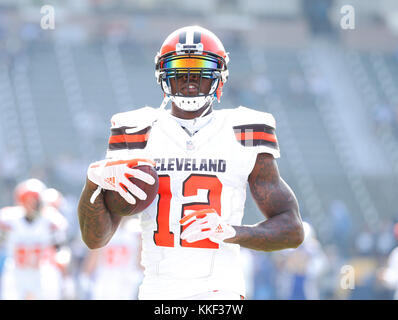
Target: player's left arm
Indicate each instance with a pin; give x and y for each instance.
(282, 227)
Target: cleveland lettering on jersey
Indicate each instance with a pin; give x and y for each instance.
(190, 164)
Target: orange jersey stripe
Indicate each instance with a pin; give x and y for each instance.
(128, 138)
(255, 136)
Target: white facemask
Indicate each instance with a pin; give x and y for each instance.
(191, 103)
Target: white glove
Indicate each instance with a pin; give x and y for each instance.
(206, 223)
(110, 174)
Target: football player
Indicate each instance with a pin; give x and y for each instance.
(204, 158)
(388, 275)
(32, 233)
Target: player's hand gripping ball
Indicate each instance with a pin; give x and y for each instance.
(130, 186)
(117, 204)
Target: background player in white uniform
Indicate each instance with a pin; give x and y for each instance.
(31, 232)
(52, 197)
(192, 232)
(389, 274)
(115, 270)
(300, 270)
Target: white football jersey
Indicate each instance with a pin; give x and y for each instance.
(30, 269)
(391, 273)
(208, 169)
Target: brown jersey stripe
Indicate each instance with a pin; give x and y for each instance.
(255, 128)
(255, 143)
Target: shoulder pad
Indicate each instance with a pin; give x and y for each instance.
(254, 128)
(243, 115)
(12, 213)
(8, 215)
(130, 130)
(139, 118)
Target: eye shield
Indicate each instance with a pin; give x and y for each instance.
(205, 66)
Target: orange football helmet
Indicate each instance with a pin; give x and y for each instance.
(188, 51)
(27, 190)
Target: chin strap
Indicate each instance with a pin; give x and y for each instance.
(205, 111)
(164, 103)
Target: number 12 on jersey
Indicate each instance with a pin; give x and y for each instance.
(190, 187)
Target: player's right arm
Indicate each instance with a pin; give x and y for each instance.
(97, 223)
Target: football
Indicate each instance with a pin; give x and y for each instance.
(116, 204)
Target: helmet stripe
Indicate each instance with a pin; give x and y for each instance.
(196, 37)
(182, 37)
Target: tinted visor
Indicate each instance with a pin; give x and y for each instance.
(190, 64)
